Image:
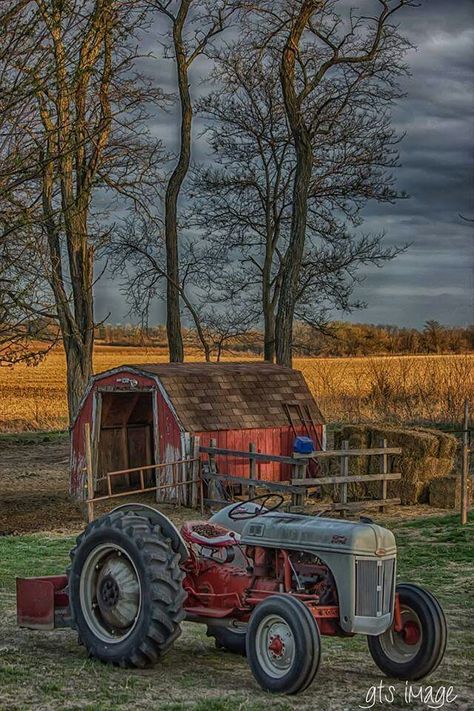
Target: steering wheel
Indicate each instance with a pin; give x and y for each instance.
(237, 513)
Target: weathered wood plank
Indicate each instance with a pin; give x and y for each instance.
(258, 456)
(349, 452)
(270, 485)
(347, 479)
(384, 470)
(344, 475)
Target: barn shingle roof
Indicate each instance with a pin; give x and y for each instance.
(229, 396)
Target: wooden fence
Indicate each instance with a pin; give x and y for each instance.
(300, 484)
(195, 482)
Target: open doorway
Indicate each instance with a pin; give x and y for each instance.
(125, 438)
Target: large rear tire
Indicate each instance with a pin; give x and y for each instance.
(283, 645)
(125, 590)
(418, 649)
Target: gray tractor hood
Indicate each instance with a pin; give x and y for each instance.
(318, 535)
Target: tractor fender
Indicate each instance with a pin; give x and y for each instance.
(158, 518)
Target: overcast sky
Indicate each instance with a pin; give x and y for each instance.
(434, 279)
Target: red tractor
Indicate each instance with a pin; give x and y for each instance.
(266, 583)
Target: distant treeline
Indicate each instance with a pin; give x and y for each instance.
(336, 338)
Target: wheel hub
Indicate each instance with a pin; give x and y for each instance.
(276, 646)
(109, 591)
(403, 646)
(411, 633)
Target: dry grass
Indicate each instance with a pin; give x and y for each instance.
(399, 389)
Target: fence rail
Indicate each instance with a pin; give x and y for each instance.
(188, 484)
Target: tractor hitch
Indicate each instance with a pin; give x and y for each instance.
(43, 603)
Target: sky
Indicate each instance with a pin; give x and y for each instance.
(434, 278)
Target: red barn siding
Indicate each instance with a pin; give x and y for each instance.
(169, 432)
(269, 441)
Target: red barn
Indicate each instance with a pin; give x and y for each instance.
(146, 414)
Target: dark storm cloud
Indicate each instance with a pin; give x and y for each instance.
(434, 278)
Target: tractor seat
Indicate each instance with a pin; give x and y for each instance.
(208, 534)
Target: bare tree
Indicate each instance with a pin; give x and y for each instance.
(335, 66)
(138, 258)
(72, 139)
(194, 24)
(137, 255)
(243, 202)
(26, 335)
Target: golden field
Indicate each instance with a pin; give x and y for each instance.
(390, 388)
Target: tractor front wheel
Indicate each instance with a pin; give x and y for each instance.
(283, 645)
(125, 590)
(418, 648)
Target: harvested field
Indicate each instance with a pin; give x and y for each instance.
(398, 389)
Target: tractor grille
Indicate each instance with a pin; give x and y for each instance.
(374, 586)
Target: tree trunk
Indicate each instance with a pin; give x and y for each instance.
(304, 164)
(173, 315)
(79, 371)
(291, 271)
(269, 332)
(268, 298)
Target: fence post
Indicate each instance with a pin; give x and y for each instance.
(383, 470)
(297, 499)
(90, 474)
(344, 472)
(195, 471)
(212, 483)
(465, 464)
(253, 469)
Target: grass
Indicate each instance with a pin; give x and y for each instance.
(33, 437)
(50, 671)
(423, 389)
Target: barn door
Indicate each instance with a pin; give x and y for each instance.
(125, 437)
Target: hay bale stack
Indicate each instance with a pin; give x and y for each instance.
(417, 463)
(427, 455)
(445, 492)
(447, 443)
(447, 448)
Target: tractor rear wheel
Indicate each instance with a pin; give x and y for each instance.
(419, 647)
(230, 637)
(283, 645)
(125, 590)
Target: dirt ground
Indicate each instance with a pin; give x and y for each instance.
(34, 488)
